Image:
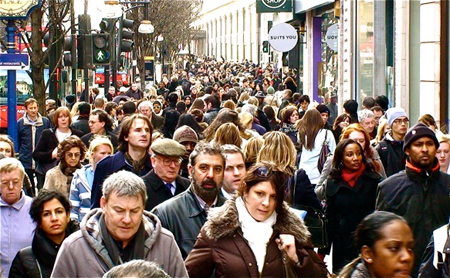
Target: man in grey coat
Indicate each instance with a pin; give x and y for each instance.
(118, 232)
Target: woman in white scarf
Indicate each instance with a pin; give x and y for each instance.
(252, 234)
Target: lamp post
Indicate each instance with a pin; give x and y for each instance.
(113, 8)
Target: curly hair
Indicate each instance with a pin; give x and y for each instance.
(65, 145)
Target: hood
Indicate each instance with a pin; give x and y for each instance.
(388, 137)
(224, 221)
(90, 230)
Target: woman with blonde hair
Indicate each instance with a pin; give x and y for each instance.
(81, 185)
(246, 120)
(226, 116)
(197, 104)
(6, 146)
(443, 153)
(278, 149)
(71, 152)
(228, 133)
(251, 150)
(312, 135)
(383, 127)
(229, 104)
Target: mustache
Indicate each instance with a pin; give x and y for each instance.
(209, 181)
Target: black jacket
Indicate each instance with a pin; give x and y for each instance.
(346, 207)
(158, 192)
(303, 191)
(392, 155)
(183, 216)
(43, 252)
(422, 198)
(87, 138)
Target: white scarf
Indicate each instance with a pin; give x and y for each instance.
(256, 233)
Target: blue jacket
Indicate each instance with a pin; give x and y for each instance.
(109, 165)
(80, 193)
(29, 135)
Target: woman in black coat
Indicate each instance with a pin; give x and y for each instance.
(45, 153)
(51, 211)
(350, 196)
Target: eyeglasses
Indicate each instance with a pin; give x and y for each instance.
(399, 121)
(14, 183)
(168, 161)
(73, 155)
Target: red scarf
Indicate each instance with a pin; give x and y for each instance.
(352, 176)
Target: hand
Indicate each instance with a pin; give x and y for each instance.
(287, 243)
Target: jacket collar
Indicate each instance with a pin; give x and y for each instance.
(420, 174)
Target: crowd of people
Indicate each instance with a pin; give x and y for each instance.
(199, 177)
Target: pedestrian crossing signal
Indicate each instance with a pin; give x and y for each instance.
(101, 53)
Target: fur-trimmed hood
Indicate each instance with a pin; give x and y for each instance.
(224, 221)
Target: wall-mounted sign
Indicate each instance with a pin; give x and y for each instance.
(273, 6)
(283, 37)
(18, 9)
(332, 37)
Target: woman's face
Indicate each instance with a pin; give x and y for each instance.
(358, 137)
(187, 101)
(72, 156)
(261, 200)
(392, 255)
(352, 157)
(442, 154)
(156, 108)
(100, 152)
(345, 123)
(294, 117)
(54, 218)
(5, 149)
(63, 120)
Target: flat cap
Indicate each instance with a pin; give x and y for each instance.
(168, 147)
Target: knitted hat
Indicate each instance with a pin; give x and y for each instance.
(185, 134)
(394, 113)
(418, 131)
(323, 109)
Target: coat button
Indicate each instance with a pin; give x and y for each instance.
(249, 264)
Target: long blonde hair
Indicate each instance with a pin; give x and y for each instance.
(278, 149)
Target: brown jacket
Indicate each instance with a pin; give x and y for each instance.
(221, 247)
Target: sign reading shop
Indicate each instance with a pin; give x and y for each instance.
(273, 6)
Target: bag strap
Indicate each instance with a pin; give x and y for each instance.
(325, 142)
(294, 187)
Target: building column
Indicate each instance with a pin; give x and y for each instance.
(346, 44)
(229, 50)
(401, 57)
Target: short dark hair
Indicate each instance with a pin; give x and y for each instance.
(129, 108)
(125, 128)
(103, 117)
(206, 148)
(45, 195)
(110, 106)
(215, 102)
(368, 102)
(304, 98)
(84, 108)
(30, 101)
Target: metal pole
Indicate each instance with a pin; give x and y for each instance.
(73, 34)
(117, 52)
(12, 95)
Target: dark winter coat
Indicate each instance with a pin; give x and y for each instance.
(158, 192)
(43, 252)
(392, 155)
(422, 198)
(222, 250)
(345, 208)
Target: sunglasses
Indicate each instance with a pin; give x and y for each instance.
(263, 172)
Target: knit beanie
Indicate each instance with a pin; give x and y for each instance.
(394, 113)
(418, 131)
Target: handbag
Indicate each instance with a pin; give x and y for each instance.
(315, 220)
(288, 268)
(324, 153)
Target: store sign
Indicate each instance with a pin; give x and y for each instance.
(273, 6)
(332, 37)
(302, 6)
(283, 37)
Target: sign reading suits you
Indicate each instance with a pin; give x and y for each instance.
(332, 37)
(273, 6)
(283, 37)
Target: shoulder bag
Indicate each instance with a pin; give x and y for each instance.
(324, 152)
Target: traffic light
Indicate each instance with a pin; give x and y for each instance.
(127, 35)
(100, 49)
(265, 46)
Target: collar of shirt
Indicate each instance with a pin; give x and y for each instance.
(203, 204)
(226, 194)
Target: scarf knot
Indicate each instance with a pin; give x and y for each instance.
(352, 176)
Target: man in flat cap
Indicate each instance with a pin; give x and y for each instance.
(164, 181)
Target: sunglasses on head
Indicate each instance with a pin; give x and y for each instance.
(263, 172)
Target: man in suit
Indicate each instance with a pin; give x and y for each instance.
(145, 108)
(164, 181)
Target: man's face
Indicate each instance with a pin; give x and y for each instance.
(112, 91)
(32, 110)
(95, 125)
(421, 153)
(166, 167)
(11, 186)
(207, 176)
(234, 172)
(377, 116)
(145, 110)
(400, 126)
(304, 105)
(123, 216)
(161, 85)
(368, 124)
(134, 87)
(189, 148)
(139, 135)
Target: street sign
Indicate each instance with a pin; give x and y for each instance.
(13, 61)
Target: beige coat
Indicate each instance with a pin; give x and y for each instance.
(56, 180)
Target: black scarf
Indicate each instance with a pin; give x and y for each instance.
(113, 249)
(137, 165)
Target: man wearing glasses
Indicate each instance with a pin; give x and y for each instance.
(164, 181)
(391, 147)
(100, 124)
(16, 226)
